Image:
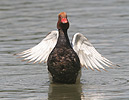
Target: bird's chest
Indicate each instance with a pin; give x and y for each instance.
(63, 61)
(62, 56)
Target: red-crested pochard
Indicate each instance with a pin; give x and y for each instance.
(65, 59)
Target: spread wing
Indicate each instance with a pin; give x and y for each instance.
(88, 55)
(41, 51)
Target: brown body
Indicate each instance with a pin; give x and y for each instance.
(63, 63)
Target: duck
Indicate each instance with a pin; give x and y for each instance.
(65, 59)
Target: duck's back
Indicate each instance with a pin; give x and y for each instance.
(63, 63)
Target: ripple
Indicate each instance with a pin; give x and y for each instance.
(24, 23)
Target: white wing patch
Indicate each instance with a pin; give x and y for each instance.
(88, 55)
(40, 52)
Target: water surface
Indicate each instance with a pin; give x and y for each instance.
(24, 23)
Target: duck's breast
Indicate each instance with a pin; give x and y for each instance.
(63, 63)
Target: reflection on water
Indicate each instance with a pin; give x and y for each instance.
(72, 92)
(63, 92)
(24, 23)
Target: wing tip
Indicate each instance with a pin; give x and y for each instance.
(92, 69)
(105, 70)
(98, 70)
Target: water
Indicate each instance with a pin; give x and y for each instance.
(24, 23)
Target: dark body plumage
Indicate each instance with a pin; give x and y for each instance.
(63, 62)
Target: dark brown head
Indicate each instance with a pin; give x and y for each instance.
(62, 21)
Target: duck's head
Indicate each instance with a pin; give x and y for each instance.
(62, 21)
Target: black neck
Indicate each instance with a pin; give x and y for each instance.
(63, 39)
